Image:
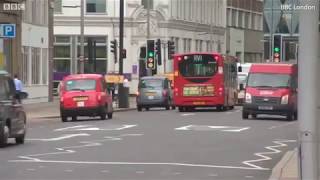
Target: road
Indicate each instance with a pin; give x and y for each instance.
(151, 145)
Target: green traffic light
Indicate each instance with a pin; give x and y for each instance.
(276, 49)
(150, 54)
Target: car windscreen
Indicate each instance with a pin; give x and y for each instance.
(268, 80)
(151, 83)
(198, 65)
(81, 85)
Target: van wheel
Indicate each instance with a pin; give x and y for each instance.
(289, 117)
(109, 115)
(4, 135)
(245, 115)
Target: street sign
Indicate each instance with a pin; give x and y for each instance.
(7, 30)
(114, 78)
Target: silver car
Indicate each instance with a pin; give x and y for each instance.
(154, 92)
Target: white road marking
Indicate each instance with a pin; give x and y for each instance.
(72, 127)
(188, 114)
(248, 176)
(66, 136)
(140, 172)
(30, 169)
(184, 127)
(280, 143)
(105, 171)
(141, 163)
(213, 128)
(68, 170)
(93, 128)
(177, 173)
(213, 175)
(282, 125)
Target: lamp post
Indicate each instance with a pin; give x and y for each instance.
(81, 58)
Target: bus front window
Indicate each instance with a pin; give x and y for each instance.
(200, 65)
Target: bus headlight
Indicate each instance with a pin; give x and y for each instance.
(285, 99)
(248, 98)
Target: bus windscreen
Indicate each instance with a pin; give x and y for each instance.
(198, 65)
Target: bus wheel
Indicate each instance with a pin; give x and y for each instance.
(245, 115)
(221, 108)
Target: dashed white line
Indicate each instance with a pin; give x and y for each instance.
(213, 175)
(68, 170)
(282, 125)
(30, 169)
(248, 176)
(105, 171)
(139, 172)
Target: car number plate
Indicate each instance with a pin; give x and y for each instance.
(265, 108)
(150, 97)
(80, 104)
(199, 103)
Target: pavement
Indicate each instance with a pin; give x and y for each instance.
(157, 144)
(287, 167)
(51, 109)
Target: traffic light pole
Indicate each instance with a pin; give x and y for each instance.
(123, 93)
(308, 103)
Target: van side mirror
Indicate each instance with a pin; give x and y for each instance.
(240, 69)
(241, 87)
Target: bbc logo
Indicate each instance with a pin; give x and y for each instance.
(13, 6)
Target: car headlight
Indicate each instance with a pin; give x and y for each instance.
(248, 98)
(285, 99)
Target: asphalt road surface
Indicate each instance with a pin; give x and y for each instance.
(151, 145)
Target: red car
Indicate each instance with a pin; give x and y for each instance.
(84, 95)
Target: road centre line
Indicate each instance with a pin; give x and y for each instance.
(66, 136)
(72, 127)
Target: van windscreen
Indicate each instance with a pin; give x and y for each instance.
(268, 80)
(151, 83)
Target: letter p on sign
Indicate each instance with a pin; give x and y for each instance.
(8, 30)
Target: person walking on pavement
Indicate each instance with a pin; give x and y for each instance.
(19, 86)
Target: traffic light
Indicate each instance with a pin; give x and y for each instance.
(114, 49)
(277, 48)
(158, 51)
(171, 49)
(150, 55)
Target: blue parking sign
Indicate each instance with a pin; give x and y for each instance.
(7, 30)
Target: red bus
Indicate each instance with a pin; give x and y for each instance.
(205, 80)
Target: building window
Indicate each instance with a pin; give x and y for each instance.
(24, 69)
(200, 45)
(234, 18)
(246, 20)
(240, 20)
(189, 45)
(58, 6)
(96, 6)
(62, 55)
(253, 21)
(208, 46)
(35, 65)
(145, 3)
(44, 66)
(184, 45)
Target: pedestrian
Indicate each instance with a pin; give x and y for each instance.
(19, 87)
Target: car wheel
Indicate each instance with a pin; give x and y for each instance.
(20, 138)
(245, 115)
(110, 115)
(103, 116)
(64, 118)
(147, 108)
(181, 109)
(74, 118)
(167, 107)
(231, 107)
(254, 116)
(173, 107)
(4, 135)
(295, 115)
(139, 108)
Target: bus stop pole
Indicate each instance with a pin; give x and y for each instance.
(308, 103)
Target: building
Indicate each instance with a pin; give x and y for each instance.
(245, 30)
(33, 65)
(194, 25)
(9, 57)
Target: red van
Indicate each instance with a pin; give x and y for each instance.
(271, 89)
(84, 95)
